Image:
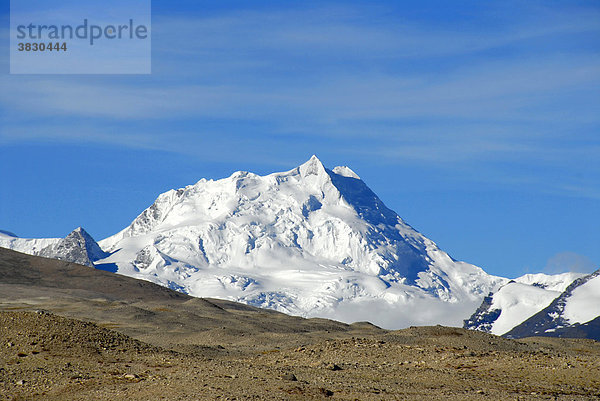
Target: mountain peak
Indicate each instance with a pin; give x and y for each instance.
(314, 158)
(304, 241)
(81, 233)
(79, 230)
(313, 166)
(78, 247)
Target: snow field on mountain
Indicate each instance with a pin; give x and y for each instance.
(584, 303)
(518, 302)
(27, 245)
(552, 282)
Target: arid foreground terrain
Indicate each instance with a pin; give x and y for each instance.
(69, 332)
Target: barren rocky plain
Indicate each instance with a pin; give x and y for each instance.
(70, 332)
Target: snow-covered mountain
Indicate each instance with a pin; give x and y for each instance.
(315, 242)
(310, 241)
(574, 313)
(517, 301)
(77, 247)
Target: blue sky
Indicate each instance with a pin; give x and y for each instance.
(478, 122)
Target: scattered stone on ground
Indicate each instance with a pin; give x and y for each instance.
(67, 359)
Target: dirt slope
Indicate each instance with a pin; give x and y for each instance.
(110, 337)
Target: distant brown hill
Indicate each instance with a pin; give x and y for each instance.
(71, 332)
(140, 308)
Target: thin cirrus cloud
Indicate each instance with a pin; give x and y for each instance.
(569, 261)
(246, 58)
(442, 94)
(495, 91)
(360, 32)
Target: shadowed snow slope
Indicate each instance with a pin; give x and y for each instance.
(310, 241)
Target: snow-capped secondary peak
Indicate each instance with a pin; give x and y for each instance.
(307, 241)
(345, 171)
(77, 247)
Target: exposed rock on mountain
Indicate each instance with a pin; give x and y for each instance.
(77, 247)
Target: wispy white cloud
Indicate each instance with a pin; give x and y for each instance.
(502, 91)
(448, 314)
(569, 262)
(328, 63)
(401, 90)
(362, 31)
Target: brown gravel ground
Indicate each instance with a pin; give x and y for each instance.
(49, 357)
(111, 337)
